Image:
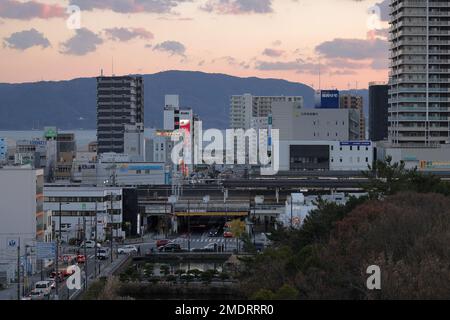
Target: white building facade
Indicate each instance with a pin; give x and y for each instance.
(88, 207)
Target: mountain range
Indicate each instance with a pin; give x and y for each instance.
(72, 104)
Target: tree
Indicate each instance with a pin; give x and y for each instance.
(263, 294)
(286, 292)
(237, 228)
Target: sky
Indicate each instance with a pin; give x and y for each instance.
(322, 43)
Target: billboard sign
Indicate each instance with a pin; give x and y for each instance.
(328, 99)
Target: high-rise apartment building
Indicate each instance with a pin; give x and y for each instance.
(419, 93)
(378, 111)
(244, 108)
(353, 101)
(120, 102)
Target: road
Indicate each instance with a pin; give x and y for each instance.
(197, 241)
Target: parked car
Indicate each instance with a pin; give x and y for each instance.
(81, 258)
(171, 247)
(37, 295)
(211, 247)
(90, 244)
(214, 232)
(43, 286)
(162, 242)
(127, 249)
(228, 234)
(103, 253)
(52, 283)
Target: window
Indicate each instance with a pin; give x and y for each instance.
(138, 171)
(367, 159)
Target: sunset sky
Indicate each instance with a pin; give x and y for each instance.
(287, 39)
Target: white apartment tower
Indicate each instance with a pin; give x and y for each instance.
(244, 109)
(419, 82)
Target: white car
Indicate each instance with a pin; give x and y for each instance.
(127, 249)
(37, 295)
(43, 286)
(103, 253)
(90, 244)
(52, 283)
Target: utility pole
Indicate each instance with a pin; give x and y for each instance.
(189, 226)
(18, 270)
(57, 278)
(291, 211)
(95, 240)
(85, 254)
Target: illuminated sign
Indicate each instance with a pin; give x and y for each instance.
(50, 133)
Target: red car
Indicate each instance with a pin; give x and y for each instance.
(81, 259)
(227, 234)
(162, 242)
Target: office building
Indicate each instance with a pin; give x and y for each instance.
(378, 111)
(120, 102)
(171, 110)
(93, 206)
(325, 155)
(159, 148)
(117, 170)
(243, 108)
(134, 142)
(355, 102)
(296, 123)
(22, 218)
(65, 154)
(31, 152)
(419, 92)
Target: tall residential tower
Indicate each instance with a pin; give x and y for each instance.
(419, 94)
(120, 102)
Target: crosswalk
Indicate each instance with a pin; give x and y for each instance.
(205, 240)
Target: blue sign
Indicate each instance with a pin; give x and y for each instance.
(45, 250)
(328, 99)
(12, 243)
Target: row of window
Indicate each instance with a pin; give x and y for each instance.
(83, 199)
(358, 148)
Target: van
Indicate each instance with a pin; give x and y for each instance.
(45, 287)
(103, 253)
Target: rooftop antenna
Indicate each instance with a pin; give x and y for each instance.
(112, 66)
(101, 72)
